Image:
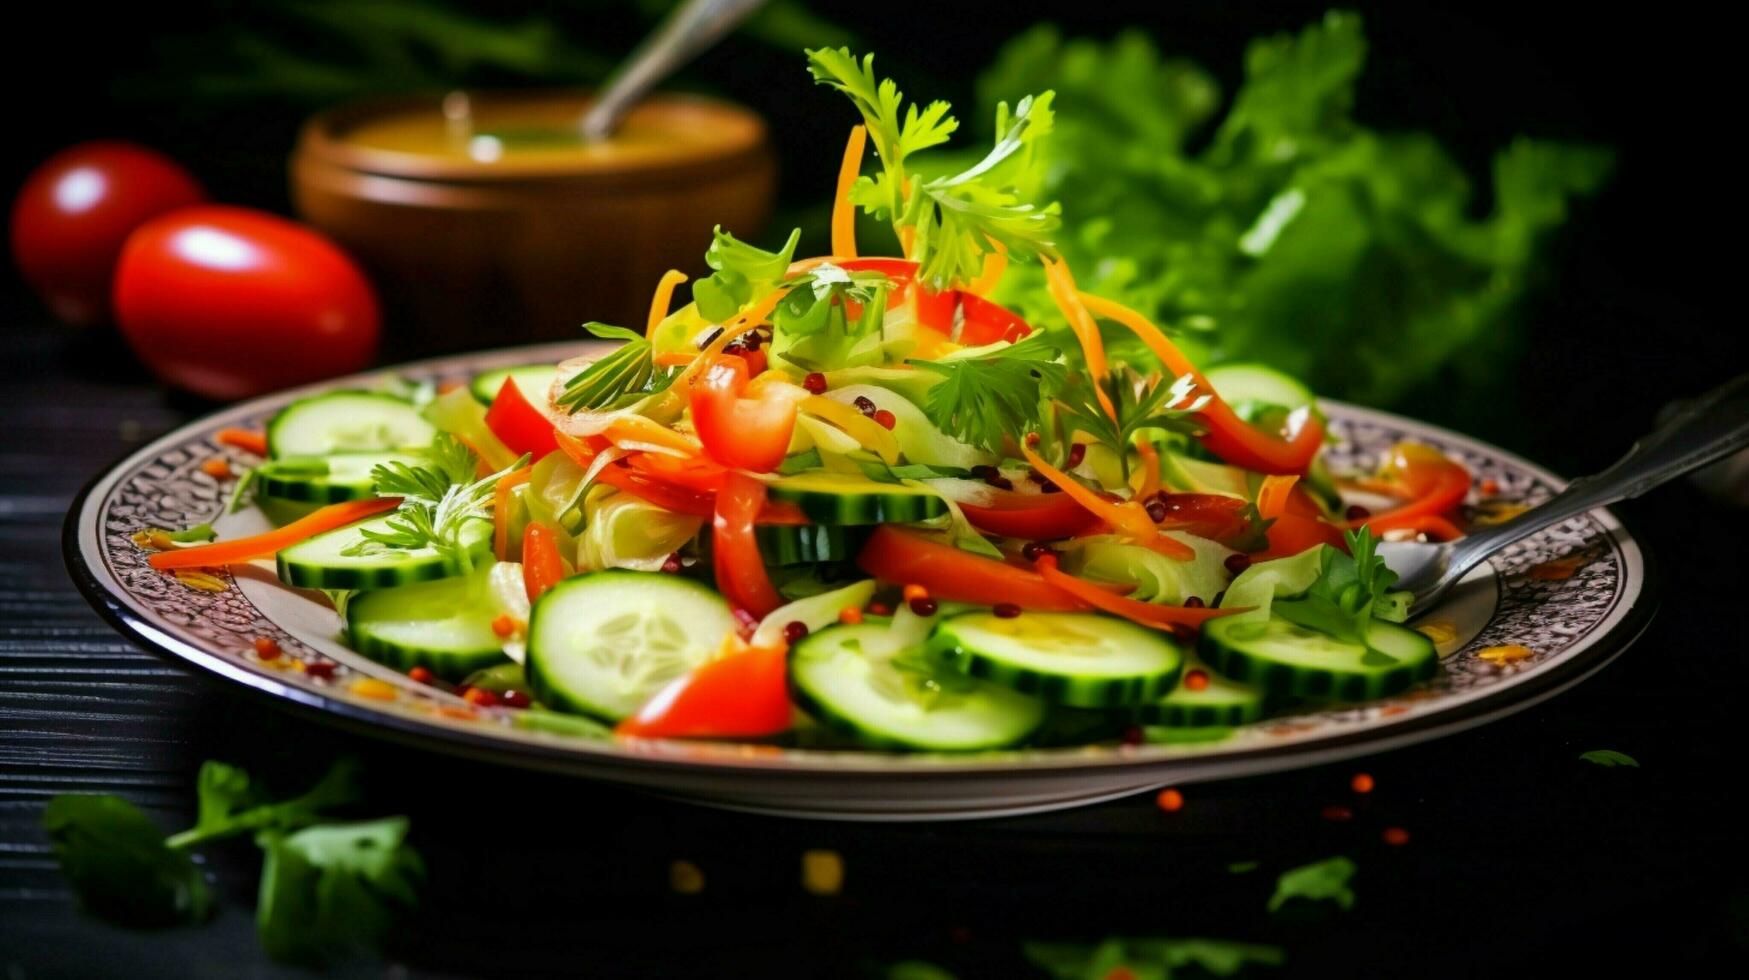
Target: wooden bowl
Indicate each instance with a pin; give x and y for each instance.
(483, 221)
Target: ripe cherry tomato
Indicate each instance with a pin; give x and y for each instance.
(745, 425)
(229, 302)
(740, 695)
(518, 424)
(76, 210)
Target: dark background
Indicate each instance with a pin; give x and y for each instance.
(1523, 859)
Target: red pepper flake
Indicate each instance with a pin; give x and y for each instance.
(267, 648)
(924, 607)
(1237, 562)
(1395, 836)
(217, 468)
(1119, 972)
(815, 382)
(1490, 487)
(671, 564)
(1361, 783)
(1170, 800)
(504, 626)
(445, 387)
(1196, 680)
(850, 615)
(1392, 711)
(323, 669)
(1077, 453)
(1034, 550)
(879, 609)
(1006, 610)
(515, 699)
(1032, 438)
(794, 631)
(252, 441)
(1356, 512)
(885, 419)
(481, 697)
(1337, 813)
(865, 405)
(913, 592)
(1558, 570)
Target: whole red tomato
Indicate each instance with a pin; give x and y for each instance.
(229, 302)
(76, 210)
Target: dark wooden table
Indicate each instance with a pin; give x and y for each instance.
(1522, 858)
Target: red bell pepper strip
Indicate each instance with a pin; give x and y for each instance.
(1291, 534)
(542, 567)
(742, 426)
(1206, 515)
(1128, 517)
(743, 694)
(1134, 610)
(1034, 516)
(271, 543)
(640, 480)
(903, 558)
(518, 424)
(983, 322)
(1229, 436)
(1431, 481)
(740, 569)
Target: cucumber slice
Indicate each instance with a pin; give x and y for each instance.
(324, 480)
(784, 544)
(1258, 384)
(319, 563)
(1078, 659)
(601, 644)
(1222, 702)
(1286, 659)
(347, 421)
(844, 498)
(444, 626)
(835, 676)
(534, 380)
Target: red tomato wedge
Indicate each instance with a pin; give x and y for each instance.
(542, 567)
(903, 558)
(740, 695)
(1431, 482)
(744, 426)
(740, 569)
(518, 424)
(934, 309)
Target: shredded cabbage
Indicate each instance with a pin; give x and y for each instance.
(624, 531)
(815, 611)
(1156, 578)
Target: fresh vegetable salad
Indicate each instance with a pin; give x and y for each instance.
(848, 500)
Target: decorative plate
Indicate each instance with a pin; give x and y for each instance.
(1538, 619)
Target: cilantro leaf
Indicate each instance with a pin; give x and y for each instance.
(1320, 881)
(116, 859)
(742, 271)
(618, 379)
(332, 889)
(231, 803)
(985, 398)
(812, 326)
(1610, 758)
(1149, 957)
(1341, 602)
(1143, 404)
(437, 503)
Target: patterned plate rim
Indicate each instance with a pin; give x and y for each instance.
(1631, 610)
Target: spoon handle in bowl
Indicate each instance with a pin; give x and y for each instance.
(692, 27)
(1703, 431)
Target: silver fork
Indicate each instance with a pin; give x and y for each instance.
(1703, 431)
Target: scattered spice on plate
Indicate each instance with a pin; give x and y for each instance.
(822, 872)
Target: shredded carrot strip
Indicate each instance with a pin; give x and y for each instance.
(1153, 336)
(664, 296)
(995, 263)
(263, 545)
(1134, 610)
(1062, 289)
(501, 510)
(1127, 517)
(1272, 496)
(248, 440)
(742, 322)
(639, 428)
(1150, 463)
(843, 212)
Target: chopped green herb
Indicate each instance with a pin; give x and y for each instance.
(328, 891)
(1142, 405)
(1342, 601)
(742, 273)
(1320, 881)
(983, 399)
(199, 532)
(621, 378)
(437, 501)
(1149, 958)
(1610, 758)
(116, 859)
(232, 803)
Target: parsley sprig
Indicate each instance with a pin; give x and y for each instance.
(1142, 403)
(1350, 590)
(957, 219)
(983, 399)
(438, 499)
(621, 378)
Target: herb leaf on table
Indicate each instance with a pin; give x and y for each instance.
(119, 865)
(1320, 881)
(334, 889)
